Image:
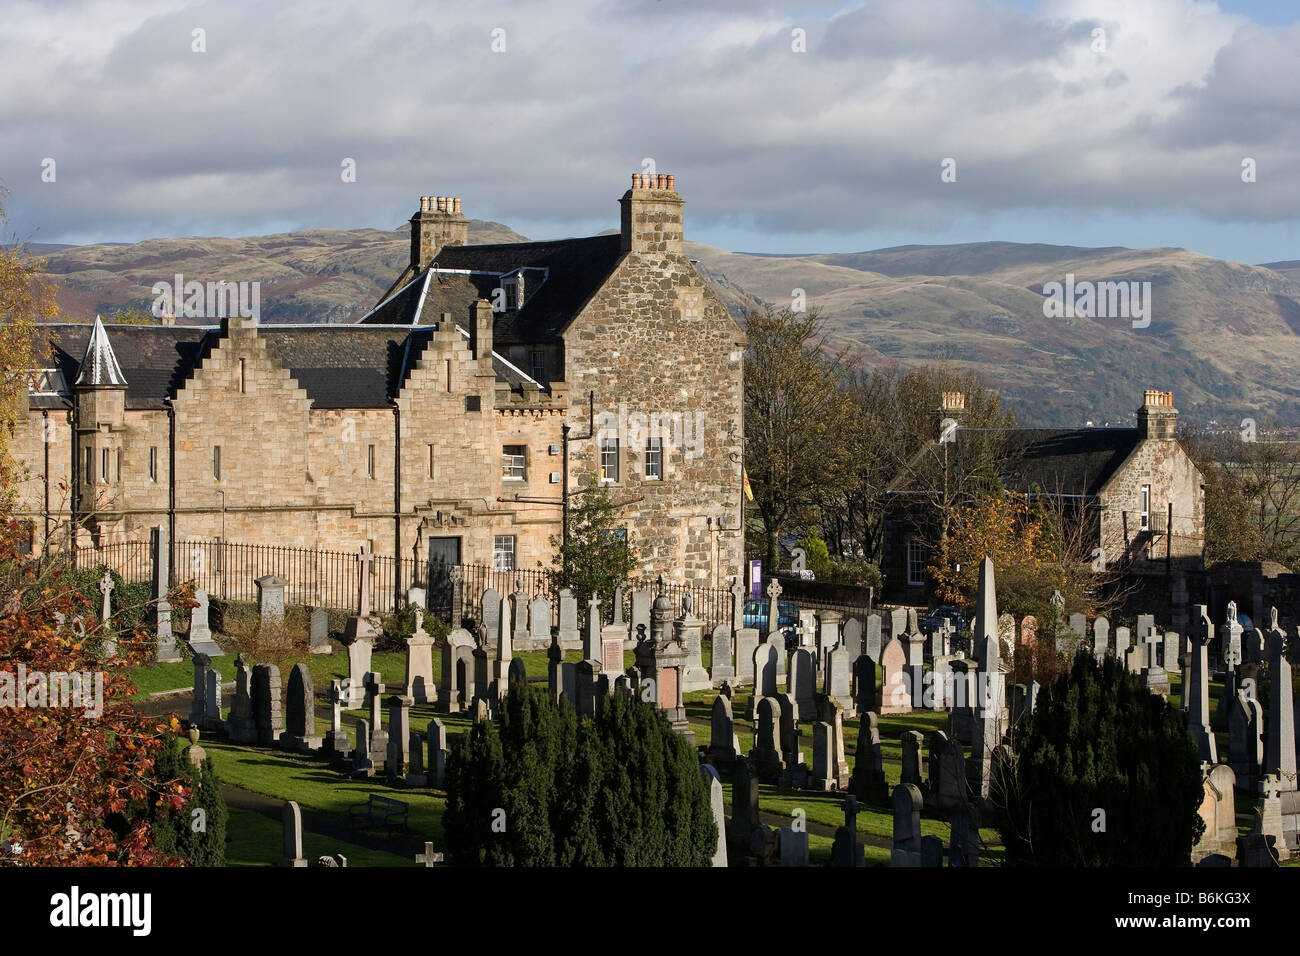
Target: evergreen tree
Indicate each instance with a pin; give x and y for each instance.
(622, 789)
(199, 838)
(1106, 774)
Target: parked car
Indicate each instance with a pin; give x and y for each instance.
(755, 614)
(934, 620)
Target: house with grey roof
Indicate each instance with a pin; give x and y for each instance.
(453, 423)
(1138, 497)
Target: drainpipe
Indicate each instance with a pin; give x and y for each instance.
(397, 504)
(45, 433)
(171, 490)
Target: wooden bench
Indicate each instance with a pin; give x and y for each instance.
(378, 809)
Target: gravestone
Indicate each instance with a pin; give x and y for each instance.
(416, 776)
(964, 850)
(213, 719)
(765, 758)
(828, 713)
(320, 632)
(398, 758)
(1100, 637)
(724, 746)
(519, 615)
(895, 693)
(823, 742)
(200, 637)
(539, 621)
(591, 631)
(363, 764)
(640, 610)
(270, 599)
(794, 846)
(1230, 647)
(721, 666)
(436, 737)
(939, 692)
(267, 717)
(871, 641)
(911, 749)
(868, 780)
(167, 652)
(1146, 623)
(717, 807)
(846, 851)
(612, 639)
(765, 656)
(851, 637)
(456, 683)
(420, 685)
(375, 688)
(1123, 639)
(300, 712)
(1279, 739)
(1246, 740)
(907, 804)
(198, 702)
(291, 823)
(948, 786)
(746, 641)
(744, 807)
(359, 655)
(490, 611)
(1078, 629)
(839, 680)
(106, 589)
(864, 684)
(240, 726)
(569, 634)
(518, 673)
(1218, 844)
(336, 741)
(802, 683)
(1197, 690)
(1169, 659)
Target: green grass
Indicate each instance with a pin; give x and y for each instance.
(255, 840)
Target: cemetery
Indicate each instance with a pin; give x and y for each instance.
(853, 741)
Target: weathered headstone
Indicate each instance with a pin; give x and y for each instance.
(864, 684)
(1100, 637)
(721, 667)
(167, 652)
(569, 635)
(747, 640)
(710, 777)
(291, 822)
(907, 803)
(1246, 740)
(724, 746)
(839, 680)
(200, 636)
(300, 711)
(871, 641)
(1197, 690)
(240, 726)
(868, 780)
(270, 599)
(802, 683)
(320, 632)
(895, 691)
(1218, 810)
(267, 715)
(336, 741)
(436, 736)
(766, 755)
(539, 621)
(420, 685)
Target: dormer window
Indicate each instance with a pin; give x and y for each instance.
(513, 286)
(46, 381)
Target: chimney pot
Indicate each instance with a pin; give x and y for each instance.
(456, 205)
(672, 183)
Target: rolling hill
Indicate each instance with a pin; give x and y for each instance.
(1224, 337)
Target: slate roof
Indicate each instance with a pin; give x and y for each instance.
(1052, 461)
(339, 366)
(574, 271)
(99, 364)
(1072, 462)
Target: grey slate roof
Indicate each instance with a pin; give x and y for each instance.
(339, 366)
(575, 270)
(1072, 462)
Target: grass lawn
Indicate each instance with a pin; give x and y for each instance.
(255, 840)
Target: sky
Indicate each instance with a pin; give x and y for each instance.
(790, 127)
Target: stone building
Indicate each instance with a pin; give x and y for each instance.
(434, 427)
(1137, 493)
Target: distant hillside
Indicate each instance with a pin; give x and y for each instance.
(1223, 336)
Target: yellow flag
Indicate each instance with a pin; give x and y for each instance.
(749, 492)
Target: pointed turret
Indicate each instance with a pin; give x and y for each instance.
(99, 368)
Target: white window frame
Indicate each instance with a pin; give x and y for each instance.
(1145, 513)
(609, 446)
(915, 554)
(514, 467)
(503, 552)
(654, 459)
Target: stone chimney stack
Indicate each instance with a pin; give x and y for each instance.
(439, 223)
(952, 407)
(1157, 418)
(480, 329)
(652, 215)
